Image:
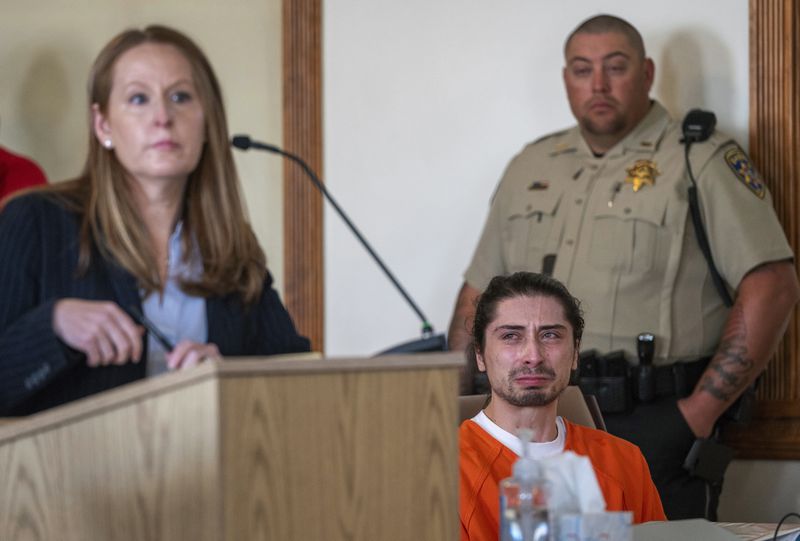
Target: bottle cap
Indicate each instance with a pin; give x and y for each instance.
(526, 468)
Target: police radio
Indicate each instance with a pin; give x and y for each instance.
(698, 127)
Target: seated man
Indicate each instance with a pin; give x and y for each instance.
(526, 335)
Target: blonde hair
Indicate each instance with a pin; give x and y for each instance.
(213, 212)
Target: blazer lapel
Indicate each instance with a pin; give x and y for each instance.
(225, 325)
(124, 285)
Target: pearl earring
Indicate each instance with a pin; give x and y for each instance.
(108, 144)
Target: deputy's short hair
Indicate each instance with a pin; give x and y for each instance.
(603, 24)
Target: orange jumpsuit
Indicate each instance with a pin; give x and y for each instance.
(621, 470)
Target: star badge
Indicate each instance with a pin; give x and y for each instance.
(641, 173)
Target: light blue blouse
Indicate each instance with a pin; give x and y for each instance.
(178, 315)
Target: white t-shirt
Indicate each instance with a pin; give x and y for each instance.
(537, 451)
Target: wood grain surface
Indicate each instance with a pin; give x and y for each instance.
(280, 449)
(303, 268)
(369, 455)
(134, 472)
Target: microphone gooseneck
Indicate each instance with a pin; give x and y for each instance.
(244, 142)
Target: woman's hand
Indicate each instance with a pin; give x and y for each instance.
(100, 329)
(187, 354)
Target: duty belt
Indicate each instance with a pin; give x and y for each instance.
(678, 379)
(613, 381)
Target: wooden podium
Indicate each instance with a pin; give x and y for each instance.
(275, 448)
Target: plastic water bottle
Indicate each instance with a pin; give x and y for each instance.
(523, 500)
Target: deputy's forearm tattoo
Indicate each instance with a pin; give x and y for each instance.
(731, 368)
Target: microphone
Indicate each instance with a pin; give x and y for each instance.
(429, 340)
(243, 142)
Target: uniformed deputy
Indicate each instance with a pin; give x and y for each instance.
(603, 207)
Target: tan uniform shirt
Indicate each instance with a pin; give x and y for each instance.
(631, 257)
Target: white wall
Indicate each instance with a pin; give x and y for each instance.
(425, 103)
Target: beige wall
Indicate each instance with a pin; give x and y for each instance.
(760, 490)
(47, 46)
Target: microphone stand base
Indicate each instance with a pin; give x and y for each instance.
(436, 342)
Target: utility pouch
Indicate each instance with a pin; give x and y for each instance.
(606, 377)
(708, 460)
(644, 382)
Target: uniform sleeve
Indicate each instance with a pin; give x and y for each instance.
(490, 259)
(31, 355)
(487, 261)
(740, 221)
(519, 232)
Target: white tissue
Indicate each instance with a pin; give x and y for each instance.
(573, 484)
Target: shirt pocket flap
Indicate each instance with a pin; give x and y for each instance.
(540, 204)
(647, 209)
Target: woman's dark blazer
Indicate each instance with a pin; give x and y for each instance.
(38, 261)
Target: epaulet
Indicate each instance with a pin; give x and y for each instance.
(703, 151)
(549, 136)
(555, 143)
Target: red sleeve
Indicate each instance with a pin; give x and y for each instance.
(20, 173)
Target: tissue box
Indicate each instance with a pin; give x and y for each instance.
(613, 526)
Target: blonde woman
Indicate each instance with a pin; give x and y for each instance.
(154, 225)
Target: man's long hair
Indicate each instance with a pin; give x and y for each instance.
(523, 284)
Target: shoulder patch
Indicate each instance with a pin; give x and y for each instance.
(745, 171)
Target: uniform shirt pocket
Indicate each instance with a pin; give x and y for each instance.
(528, 228)
(626, 237)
